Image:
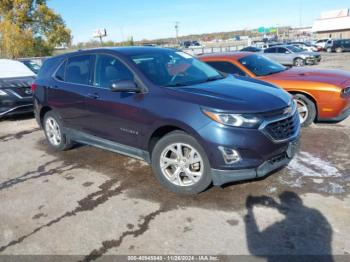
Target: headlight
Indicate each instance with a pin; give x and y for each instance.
(345, 92)
(3, 93)
(236, 120)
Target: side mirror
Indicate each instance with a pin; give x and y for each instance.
(128, 86)
(287, 52)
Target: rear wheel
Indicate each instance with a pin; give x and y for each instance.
(339, 50)
(306, 109)
(299, 62)
(54, 132)
(180, 164)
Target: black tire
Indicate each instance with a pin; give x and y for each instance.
(311, 109)
(181, 137)
(299, 61)
(65, 143)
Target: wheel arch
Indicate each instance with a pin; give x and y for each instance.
(43, 111)
(309, 96)
(164, 129)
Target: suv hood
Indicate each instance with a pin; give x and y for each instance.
(333, 77)
(236, 94)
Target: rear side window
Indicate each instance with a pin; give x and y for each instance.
(270, 50)
(48, 67)
(281, 50)
(78, 69)
(110, 70)
(60, 74)
(227, 67)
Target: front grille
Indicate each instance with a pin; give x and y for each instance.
(283, 129)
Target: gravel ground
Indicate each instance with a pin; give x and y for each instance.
(90, 202)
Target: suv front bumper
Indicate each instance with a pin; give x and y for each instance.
(221, 177)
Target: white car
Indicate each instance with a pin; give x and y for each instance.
(321, 44)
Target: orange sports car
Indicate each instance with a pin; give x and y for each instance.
(321, 95)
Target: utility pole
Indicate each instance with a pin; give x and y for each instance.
(177, 31)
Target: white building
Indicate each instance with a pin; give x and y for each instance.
(333, 24)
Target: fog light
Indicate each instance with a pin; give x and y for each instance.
(230, 155)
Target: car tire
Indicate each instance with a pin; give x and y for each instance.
(54, 132)
(306, 110)
(299, 62)
(173, 169)
(339, 50)
(329, 50)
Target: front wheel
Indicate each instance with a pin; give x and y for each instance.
(306, 109)
(180, 164)
(329, 50)
(299, 62)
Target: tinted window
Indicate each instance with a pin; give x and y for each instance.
(260, 65)
(110, 70)
(281, 50)
(61, 72)
(78, 69)
(174, 68)
(48, 67)
(227, 67)
(270, 50)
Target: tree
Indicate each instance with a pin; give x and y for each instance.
(30, 28)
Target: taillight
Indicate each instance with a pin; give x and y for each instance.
(33, 87)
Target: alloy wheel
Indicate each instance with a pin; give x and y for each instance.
(302, 110)
(181, 164)
(53, 131)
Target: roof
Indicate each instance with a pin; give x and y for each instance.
(12, 68)
(236, 55)
(331, 24)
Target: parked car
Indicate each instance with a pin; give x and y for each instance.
(338, 45)
(31, 64)
(321, 43)
(290, 55)
(193, 125)
(305, 46)
(15, 92)
(251, 49)
(321, 95)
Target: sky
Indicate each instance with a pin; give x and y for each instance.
(152, 19)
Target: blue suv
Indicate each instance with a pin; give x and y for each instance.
(195, 126)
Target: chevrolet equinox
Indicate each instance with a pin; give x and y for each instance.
(195, 126)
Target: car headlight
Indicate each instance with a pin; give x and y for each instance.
(236, 120)
(3, 93)
(345, 92)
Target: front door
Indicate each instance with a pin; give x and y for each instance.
(116, 116)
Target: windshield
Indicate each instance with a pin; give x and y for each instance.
(295, 49)
(261, 65)
(170, 68)
(32, 66)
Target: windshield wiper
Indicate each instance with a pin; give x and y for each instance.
(175, 85)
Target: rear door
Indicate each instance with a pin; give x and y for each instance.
(271, 53)
(69, 88)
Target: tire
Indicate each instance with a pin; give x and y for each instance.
(52, 122)
(299, 62)
(329, 50)
(309, 115)
(173, 175)
(339, 50)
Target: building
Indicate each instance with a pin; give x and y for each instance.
(332, 24)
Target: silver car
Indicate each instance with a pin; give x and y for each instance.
(291, 55)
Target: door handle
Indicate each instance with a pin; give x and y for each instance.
(94, 96)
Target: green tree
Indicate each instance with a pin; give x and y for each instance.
(30, 28)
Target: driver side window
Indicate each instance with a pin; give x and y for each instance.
(109, 70)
